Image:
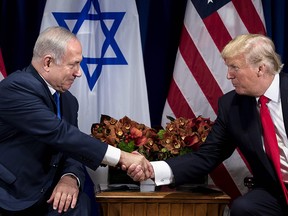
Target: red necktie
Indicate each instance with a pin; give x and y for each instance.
(270, 141)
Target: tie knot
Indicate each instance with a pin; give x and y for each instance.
(263, 100)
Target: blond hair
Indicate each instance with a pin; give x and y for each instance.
(256, 48)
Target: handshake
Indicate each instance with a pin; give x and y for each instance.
(136, 165)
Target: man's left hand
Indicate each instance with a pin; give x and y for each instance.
(65, 194)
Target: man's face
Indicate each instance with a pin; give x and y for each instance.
(63, 75)
(243, 76)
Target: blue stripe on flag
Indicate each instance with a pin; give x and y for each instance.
(206, 7)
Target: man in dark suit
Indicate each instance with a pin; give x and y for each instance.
(42, 154)
(254, 70)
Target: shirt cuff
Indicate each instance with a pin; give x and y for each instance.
(112, 156)
(72, 174)
(163, 174)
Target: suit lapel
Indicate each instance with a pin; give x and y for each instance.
(250, 121)
(251, 129)
(284, 98)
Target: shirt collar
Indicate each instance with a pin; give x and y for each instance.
(51, 89)
(273, 92)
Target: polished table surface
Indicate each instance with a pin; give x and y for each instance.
(163, 203)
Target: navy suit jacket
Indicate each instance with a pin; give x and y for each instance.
(35, 146)
(237, 125)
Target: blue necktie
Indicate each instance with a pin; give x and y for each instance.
(56, 96)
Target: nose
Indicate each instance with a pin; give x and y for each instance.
(78, 72)
(229, 75)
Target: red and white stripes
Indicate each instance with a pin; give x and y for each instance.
(199, 77)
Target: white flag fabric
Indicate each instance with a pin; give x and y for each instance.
(113, 81)
(199, 76)
(1, 76)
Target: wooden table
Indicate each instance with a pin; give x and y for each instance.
(170, 203)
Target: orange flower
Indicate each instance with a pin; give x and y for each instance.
(135, 133)
(180, 136)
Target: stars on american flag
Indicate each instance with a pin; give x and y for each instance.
(210, 1)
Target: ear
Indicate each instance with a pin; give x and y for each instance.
(47, 62)
(261, 70)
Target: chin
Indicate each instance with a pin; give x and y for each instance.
(238, 91)
(67, 87)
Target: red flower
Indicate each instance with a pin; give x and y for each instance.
(180, 136)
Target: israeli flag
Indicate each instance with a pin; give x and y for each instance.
(113, 80)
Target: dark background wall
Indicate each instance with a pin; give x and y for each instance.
(160, 26)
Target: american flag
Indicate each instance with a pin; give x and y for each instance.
(3, 73)
(199, 76)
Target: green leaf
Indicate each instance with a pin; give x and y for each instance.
(161, 133)
(164, 150)
(185, 150)
(127, 147)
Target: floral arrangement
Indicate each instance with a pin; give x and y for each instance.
(180, 136)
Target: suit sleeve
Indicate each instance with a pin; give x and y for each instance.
(217, 147)
(27, 107)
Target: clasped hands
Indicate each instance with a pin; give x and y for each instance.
(136, 165)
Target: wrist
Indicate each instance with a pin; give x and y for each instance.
(121, 159)
(72, 176)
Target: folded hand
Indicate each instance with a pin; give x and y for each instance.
(65, 194)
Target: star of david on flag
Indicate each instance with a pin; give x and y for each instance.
(113, 81)
(92, 13)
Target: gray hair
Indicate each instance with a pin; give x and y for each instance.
(256, 48)
(52, 41)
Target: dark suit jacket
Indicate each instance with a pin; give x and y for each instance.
(237, 125)
(31, 137)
